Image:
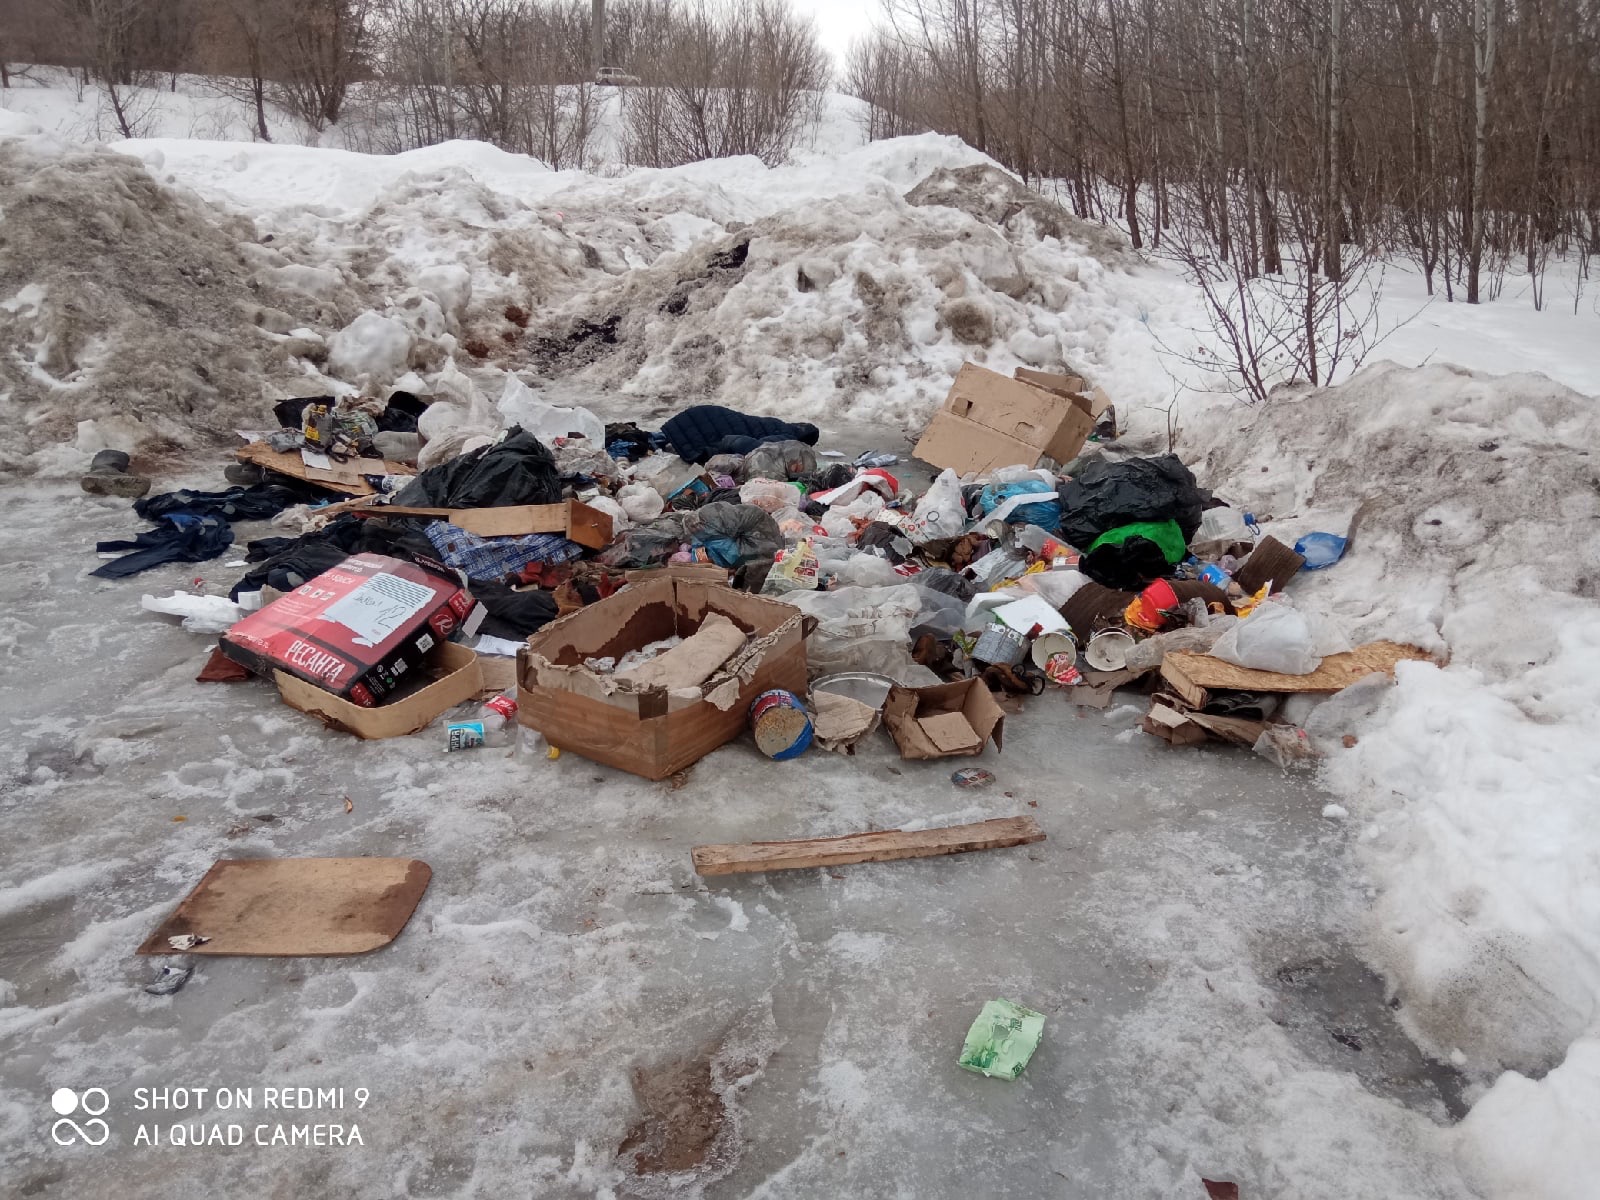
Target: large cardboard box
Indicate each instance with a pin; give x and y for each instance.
(356, 630)
(651, 731)
(456, 676)
(991, 421)
(947, 720)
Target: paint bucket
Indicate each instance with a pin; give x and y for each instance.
(1108, 650)
(782, 727)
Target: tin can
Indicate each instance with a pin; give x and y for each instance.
(999, 643)
(782, 727)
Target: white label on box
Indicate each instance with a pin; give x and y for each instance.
(380, 606)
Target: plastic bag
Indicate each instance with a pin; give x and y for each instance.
(1105, 495)
(734, 534)
(619, 515)
(519, 406)
(518, 469)
(778, 460)
(860, 628)
(770, 495)
(1274, 637)
(795, 569)
(580, 458)
(640, 501)
(940, 513)
(725, 464)
(1046, 514)
(649, 544)
(1288, 746)
(1147, 655)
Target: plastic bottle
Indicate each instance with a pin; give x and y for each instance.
(495, 724)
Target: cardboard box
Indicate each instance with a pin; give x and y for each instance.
(358, 629)
(650, 731)
(1091, 400)
(575, 521)
(947, 720)
(457, 677)
(991, 421)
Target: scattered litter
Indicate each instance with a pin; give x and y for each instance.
(1320, 549)
(1001, 1040)
(972, 777)
(169, 979)
(186, 941)
(201, 614)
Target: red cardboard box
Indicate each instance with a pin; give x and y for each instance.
(359, 631)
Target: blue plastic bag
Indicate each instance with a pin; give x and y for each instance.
(1046, 514)
(1320, 549)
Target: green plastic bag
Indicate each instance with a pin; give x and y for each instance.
(1165, 534)
(1001, 1040)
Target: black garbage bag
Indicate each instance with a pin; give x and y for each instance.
(401, 413)
(286, 563)
(511, 614)
(735, 534)
(518, 469)
(1129, 566)
(1106, 495)
(951, 583)
(826, 478)
(649, 544)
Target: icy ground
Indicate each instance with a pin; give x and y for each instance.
(569, 987)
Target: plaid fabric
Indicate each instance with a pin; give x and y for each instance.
(495, 558)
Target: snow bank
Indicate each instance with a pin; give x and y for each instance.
(1473, 502)
(121, 301)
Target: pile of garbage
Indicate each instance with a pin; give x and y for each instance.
(640, 597)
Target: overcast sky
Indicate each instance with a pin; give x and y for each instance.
(839, 22)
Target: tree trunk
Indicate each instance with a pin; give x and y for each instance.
(1483, 47)
(1332, 213)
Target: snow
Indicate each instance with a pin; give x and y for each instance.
(1452, 846)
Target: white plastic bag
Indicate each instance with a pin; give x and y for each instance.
(640, 501)
(519, 406)
(1275, 637)
(940, 513)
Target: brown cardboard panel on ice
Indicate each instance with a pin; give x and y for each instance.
(458, 678)
(651, 731)
(947, 720)
(990, 420)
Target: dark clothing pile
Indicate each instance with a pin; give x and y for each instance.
(518, 469)
(703, 430)
(194, 526)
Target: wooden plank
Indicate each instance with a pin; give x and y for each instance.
(572, 519)
(1189, 672)
(345, 478)
(879, 846)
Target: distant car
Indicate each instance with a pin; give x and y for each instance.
(614, 77)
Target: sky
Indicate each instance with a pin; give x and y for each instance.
(839, 22)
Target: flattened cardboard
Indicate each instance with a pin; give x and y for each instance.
(345, 478)
(1192, 675)
(651, 731)
(917, 719)
(459, 678)
(296, 906)
(1044, 421)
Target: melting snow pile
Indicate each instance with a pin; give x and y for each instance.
(1473, 501)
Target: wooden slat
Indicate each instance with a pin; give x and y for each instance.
(879, 846)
